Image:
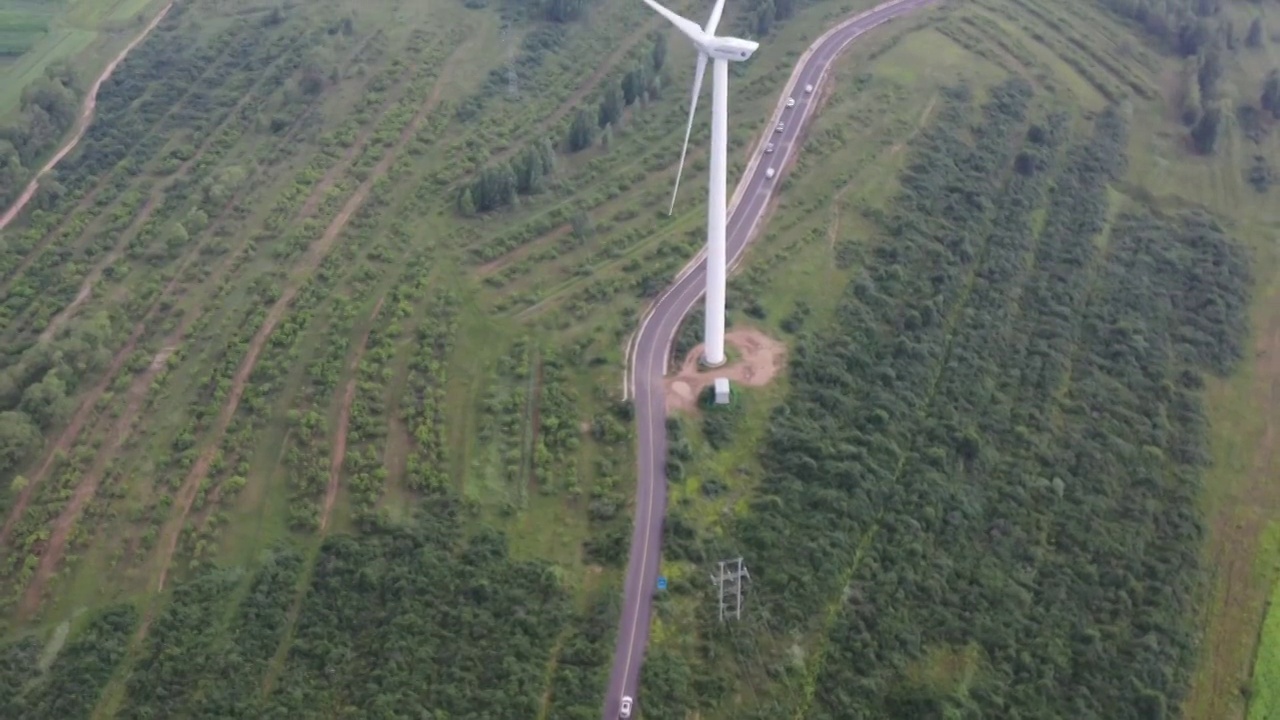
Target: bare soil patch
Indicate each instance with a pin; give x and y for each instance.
(761, 359)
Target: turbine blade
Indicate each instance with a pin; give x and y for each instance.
(693, 107)
(684, 25)
(714, 22)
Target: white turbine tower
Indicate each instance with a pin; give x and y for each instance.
(722, 50)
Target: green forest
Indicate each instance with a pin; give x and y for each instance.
(980, 493)
(309, 357)
(422, 620)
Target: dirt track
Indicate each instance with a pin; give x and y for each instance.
(311, 261)
(82, 125)
(344, 421)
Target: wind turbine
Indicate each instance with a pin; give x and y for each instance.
(722, 50)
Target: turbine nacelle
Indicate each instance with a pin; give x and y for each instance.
(708, 45)
(725, 48)
(705, 38)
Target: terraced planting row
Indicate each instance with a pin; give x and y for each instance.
(315, 209)
(36, 357)
(558, 244)
(216, 95)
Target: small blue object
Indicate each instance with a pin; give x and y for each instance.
(662, 583)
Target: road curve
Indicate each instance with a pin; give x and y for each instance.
(651, 346)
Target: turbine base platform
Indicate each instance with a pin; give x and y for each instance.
(702, 363)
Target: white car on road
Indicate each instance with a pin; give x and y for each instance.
(808, 88)
(791, 102)
(768, 148)
(779, 128)
(769, 173)
(624, 709)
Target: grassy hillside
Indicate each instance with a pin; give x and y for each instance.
(311, 356)
(972, 504)
(257, 316)
(51, 39)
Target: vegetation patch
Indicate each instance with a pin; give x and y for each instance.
(385, 600)
(906, 413)
(20, 30)
(327, 311)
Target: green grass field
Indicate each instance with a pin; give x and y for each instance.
(253, 317)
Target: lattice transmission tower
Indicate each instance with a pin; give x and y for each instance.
(729, 580)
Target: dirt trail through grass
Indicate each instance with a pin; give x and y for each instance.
(315, 255)
(89, 483)
(344, 421)
(1238, 592)
(82, 124)
(88, 404)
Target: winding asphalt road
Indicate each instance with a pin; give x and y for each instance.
(651, 345)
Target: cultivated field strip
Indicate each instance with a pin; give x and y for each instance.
(120, 356)
(152, 303)
(304, 329)
(210, 66)
(124, 422)
(302, 273)
(227, 131)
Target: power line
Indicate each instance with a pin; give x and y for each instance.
(744, 642)
(729, 582)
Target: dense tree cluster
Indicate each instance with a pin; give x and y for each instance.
(422, 622)
(636, 85)
(762, 15)
(49, 108)
(71, 686)
(1033, 466)
(1271, 94)
(36, 386)
(416, 621)
(498, 186)
(583, 664)
(1184, 25)
(981, 491)
(1199, 31)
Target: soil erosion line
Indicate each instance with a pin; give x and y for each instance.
(315, 255)
(344, 421)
